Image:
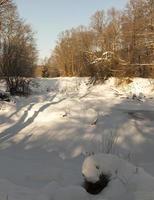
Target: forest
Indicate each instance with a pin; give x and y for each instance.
(126, 36)
(18, 52)
(115, 43)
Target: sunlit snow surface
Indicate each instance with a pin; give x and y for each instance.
(44, 139)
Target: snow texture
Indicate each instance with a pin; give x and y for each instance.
(45, 137)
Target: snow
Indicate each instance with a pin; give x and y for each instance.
(45, 137)
(124, 177)
(71, 193)
(14, 192)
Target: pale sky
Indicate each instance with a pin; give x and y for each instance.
(50, 17)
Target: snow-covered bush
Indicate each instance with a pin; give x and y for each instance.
(108, 164)
(123, 177)
(98, 170)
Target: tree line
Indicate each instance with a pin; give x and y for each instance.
(126, 38)
(18, 54)
(115, 43)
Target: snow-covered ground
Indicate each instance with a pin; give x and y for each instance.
(44, 138)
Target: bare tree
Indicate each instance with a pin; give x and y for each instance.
(18, 51)
(127, 34)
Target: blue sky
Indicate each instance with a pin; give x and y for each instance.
(50, 17)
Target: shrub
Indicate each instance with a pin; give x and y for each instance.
(18, 85)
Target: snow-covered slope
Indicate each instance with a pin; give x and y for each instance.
(44, 137)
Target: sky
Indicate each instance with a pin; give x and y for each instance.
(49, 18)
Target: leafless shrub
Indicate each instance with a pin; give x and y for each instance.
(108, 142)
(122, 81)
(18, 85)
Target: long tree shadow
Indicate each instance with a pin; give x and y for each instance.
(127, 120)
(21, 124)
(133, 128)
(23, 102)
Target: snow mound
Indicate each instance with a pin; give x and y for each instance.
(124, 177)
(95, 165)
